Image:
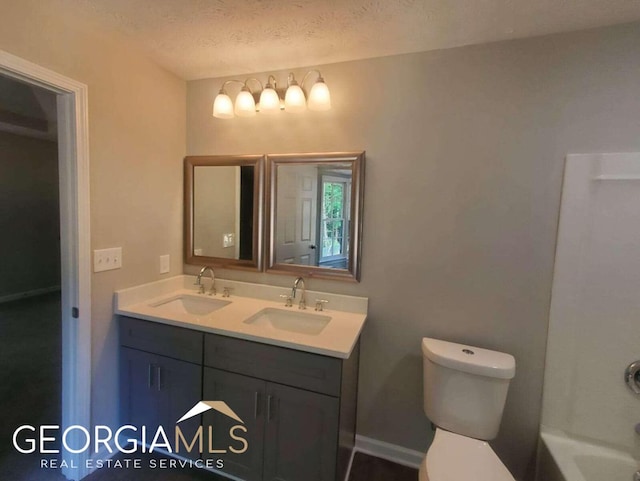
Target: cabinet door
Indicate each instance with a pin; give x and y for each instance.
(138, 390)
(301, 435)
(179, 386)
(246, 397)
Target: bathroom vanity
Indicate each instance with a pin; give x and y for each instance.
(290, 375)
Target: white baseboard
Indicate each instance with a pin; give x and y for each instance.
(33, 293)
(388, 451)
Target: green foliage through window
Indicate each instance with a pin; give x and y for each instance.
(333, 222)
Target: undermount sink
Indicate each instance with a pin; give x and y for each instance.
(290, 321)
(190, 304)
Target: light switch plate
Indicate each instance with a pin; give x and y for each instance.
(165, 264)
(228, 240)
(107, 259)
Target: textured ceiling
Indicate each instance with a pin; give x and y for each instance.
(214, 38)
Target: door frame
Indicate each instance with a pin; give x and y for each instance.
(75, 239)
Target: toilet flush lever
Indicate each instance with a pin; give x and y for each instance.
(632, 377)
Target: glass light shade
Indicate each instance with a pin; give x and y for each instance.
(222, 106)
(294, 100)
(269, 101)
(319, 97)
(245, 105)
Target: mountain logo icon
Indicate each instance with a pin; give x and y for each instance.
(204, 406)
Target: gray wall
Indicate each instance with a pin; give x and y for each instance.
(465, 153)
(215, 209)
(29, 214)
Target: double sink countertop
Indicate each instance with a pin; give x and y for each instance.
(252, 311)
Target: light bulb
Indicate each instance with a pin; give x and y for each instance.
(294, 100)
(245, 105)
(319, 96)
(222, 106)
(269, 101)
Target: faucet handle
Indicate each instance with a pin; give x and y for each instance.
(289, 301)
(226, 291)
(200, 289)
(320, 304)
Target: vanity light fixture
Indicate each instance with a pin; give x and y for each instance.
(294, 100)
(319, 96)
(245, 105)
(269, 100)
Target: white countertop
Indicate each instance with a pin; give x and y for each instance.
(337, 339)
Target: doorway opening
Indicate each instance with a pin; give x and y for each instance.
(30, 308)
(74, 246)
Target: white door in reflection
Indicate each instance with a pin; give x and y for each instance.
(297, 215)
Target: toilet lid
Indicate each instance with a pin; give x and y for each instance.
(453, 457)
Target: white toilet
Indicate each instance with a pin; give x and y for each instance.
(465, 389)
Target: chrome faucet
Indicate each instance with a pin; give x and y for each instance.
(303, 300)
(212, 291)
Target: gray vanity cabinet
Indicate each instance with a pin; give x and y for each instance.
(156, 389)
(298, 408)
(291, 433)
(245, 395)
(138, 392)
(295, 405)
(301, 435)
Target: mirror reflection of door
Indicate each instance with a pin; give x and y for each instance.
(297, 215)
(313, 215)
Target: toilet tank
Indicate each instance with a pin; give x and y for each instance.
(465, 387)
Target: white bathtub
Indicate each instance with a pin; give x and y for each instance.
(562, 458)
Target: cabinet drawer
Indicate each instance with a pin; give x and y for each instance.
(285, 366)
(170, 341)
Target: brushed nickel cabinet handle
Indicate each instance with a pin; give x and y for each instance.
(269, 398)
(159, 378)
(256, 402)
(150, 379)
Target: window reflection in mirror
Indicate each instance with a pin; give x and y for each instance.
(315, 212)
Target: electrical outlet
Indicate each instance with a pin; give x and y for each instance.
(165, 264)
(197, 252)
(228, 240)
(107, 259)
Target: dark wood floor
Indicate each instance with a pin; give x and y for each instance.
(30, 375)
(368, 468)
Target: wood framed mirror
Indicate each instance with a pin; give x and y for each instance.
(314, 214)
(224, 199)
